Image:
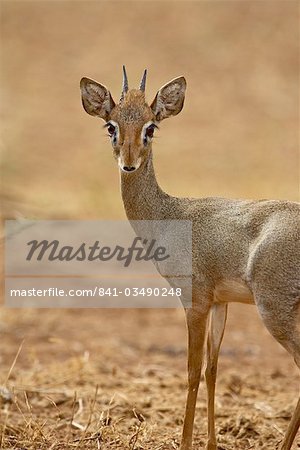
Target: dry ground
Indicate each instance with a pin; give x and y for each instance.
(116, 379)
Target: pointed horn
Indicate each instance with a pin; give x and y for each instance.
(143, 82)
(125, 84)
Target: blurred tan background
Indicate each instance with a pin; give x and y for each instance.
(236, 137)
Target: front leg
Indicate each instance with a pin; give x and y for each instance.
(214, 340)
(196, 323)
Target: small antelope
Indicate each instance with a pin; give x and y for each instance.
(243, 251)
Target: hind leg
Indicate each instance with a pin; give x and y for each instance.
(294, 348)
(282, 318)
(292, 429)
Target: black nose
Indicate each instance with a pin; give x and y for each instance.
(128, 168)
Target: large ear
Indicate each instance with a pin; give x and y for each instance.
(96, 99)
(169, 99)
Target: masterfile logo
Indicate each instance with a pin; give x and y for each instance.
(98, 263)
(140, 250)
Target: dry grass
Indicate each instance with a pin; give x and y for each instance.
(107, 384)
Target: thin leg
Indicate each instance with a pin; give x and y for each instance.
(292, 429)
(196, 323)
(283, 324)
(214, 340)
(294, 424)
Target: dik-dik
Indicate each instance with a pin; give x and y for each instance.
(243, 251)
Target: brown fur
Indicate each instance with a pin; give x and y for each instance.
(133, 110)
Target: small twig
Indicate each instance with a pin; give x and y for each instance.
(90, 416)
(13, 363)
(77, 425)
(21, 412)
(72, 417)
(278, 429)
(3, 429)
(89, 438)
(80, 408)
(134, 437)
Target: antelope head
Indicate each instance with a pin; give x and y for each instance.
(131, 123)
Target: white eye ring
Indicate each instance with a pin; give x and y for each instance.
(145, 138)
(115, 135)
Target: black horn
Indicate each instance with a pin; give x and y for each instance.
(125, 84)
(143, 81)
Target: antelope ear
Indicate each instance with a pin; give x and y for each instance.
(96, 99)
(169, 99)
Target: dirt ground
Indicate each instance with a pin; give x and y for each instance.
(116, 379)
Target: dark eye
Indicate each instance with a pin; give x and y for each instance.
(150, 131)
(111, 129)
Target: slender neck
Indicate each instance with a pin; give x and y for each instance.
(142, 197)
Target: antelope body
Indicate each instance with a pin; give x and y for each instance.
(243, 251)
